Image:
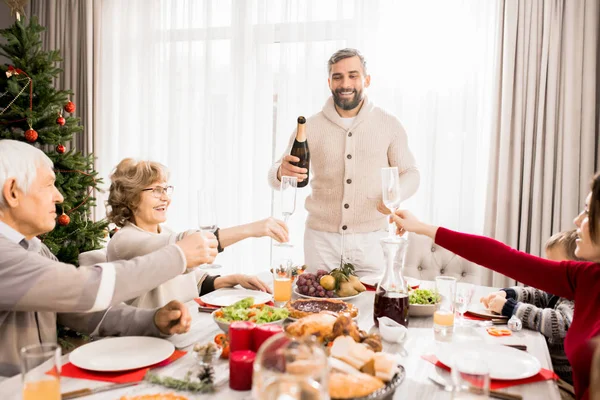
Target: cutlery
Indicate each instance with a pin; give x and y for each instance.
(206, 309)
(87, 391)
(517, 346)
(441, 381)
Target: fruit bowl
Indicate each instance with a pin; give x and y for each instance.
(306, 296)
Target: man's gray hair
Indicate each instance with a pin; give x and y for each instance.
(20, 160)
(346, 53)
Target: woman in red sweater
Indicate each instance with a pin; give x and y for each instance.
(574, 280)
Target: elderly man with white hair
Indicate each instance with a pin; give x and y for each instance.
(36, 289)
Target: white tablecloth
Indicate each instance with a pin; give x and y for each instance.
(415, 386)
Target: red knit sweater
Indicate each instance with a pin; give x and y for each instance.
(578, 281)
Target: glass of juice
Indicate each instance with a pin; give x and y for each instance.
(443, 317)
(40, 366)
(282, 281)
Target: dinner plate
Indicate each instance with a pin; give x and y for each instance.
(479, 310)
(504, 363)
(226, 297)
(305, 296)
(373, 280)
(121, 353)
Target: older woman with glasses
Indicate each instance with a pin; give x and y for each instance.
(138, 202)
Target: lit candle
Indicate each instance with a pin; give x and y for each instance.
(262, 333)
(240, 335)
(240, 369)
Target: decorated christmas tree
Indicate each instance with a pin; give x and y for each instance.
(34, 111)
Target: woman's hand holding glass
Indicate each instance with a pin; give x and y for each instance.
(271, 227)
(406, 222)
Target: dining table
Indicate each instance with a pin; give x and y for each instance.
(418, 342)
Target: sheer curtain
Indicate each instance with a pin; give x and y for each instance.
(212, 89)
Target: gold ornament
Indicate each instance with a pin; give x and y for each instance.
(17, 7)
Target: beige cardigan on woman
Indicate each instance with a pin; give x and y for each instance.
(131, 241)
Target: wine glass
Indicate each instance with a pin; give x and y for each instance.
(288, 200)
(390, 189)
(470, 376)
(464, 294)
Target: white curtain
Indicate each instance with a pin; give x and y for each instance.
(212, 89)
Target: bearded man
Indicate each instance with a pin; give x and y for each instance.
(350, 140)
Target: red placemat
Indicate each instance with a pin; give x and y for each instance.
(543, 375)
(468, 315)
(203, 304)
(134, 375)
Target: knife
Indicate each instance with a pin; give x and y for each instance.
(439, 380)
(87, 391)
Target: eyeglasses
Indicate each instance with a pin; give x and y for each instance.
(159, 190)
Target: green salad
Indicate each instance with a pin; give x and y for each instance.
(423, 296)
(245, 310)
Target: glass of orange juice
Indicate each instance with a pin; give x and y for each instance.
(282, 281)
(40, 366)
(443, 317)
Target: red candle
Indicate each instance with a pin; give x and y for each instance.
(240, 335)
(262, 333)
(240, 369)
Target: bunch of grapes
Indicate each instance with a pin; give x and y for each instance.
(308, 284)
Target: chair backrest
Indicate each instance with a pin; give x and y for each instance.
(425, 260)
(92, 257)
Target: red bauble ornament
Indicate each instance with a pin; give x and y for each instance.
(60, 149)
(60, 120)
(64, 220)
(31, 135)
(69, 107)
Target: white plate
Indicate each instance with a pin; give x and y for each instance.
(121, 353)
(226, 297)
(305, 296)
(504, 362)
(479, 310)
(373, 280)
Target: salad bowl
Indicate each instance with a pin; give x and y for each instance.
(246, 310)
(422, 302)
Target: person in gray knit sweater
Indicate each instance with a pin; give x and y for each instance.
(36, 290)
(541, 311)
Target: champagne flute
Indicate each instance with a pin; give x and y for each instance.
(207, 217)
(288, 200)
(390, 188)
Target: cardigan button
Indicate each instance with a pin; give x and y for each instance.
(349, 134)
(442, 271)
(433, 249)
(346, 205)
(348, 181)
(349, 156)
(344, 227)
(420, 268)
(463, 274)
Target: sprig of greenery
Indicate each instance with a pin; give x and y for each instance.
(179, 384)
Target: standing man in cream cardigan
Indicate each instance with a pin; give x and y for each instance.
(350, 140)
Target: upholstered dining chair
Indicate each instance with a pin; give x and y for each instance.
(425, 260)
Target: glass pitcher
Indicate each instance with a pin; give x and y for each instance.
(391, 297)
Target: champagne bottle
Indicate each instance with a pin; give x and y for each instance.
(300, 150)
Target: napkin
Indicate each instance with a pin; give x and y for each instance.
(203, 304)
(543, 375)
(134, 375)
(391, 331)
